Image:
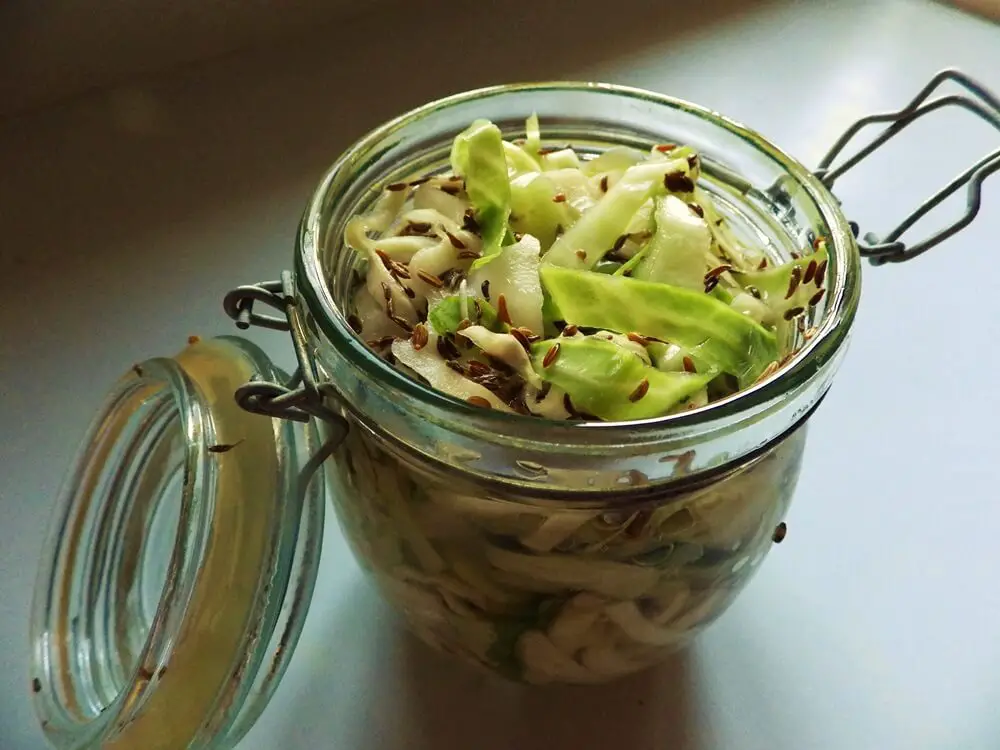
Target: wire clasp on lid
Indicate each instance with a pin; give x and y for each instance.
(304, 395)
(977, 99)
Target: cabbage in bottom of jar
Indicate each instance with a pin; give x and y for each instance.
(556, 595)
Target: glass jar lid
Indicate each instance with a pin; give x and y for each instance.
(181, 559)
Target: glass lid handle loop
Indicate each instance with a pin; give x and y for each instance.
(975, 98)
(303, 396)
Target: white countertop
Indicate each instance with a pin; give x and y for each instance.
(126, 216)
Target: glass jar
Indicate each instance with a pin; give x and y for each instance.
(184, 549)
(565, 551)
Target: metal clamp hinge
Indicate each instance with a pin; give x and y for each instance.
(304, 395)
(976, 99)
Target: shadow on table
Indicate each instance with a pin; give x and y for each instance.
(376, 687)
(445, 709)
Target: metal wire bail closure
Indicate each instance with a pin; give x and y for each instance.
(303, 396)
(976, 99)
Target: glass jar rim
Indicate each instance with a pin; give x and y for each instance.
(832, 330)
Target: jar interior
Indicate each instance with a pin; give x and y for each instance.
(764, 219)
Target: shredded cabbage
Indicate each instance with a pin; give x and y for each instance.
(544, 239)
(609, 381)
(555, 593)
(597, 230)
(513, 283)
(677, 250)
(478, 155)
